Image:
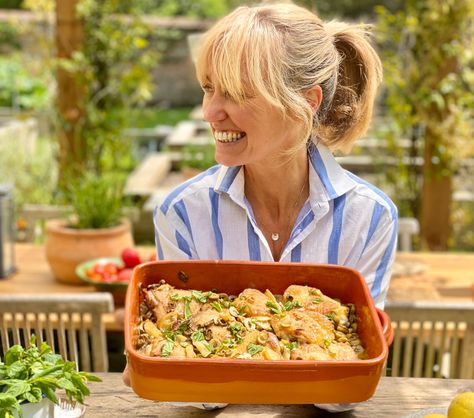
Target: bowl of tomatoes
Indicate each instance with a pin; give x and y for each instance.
(110, 274)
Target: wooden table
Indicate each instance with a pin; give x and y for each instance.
(395, 397)
(447, 277)
(441, 276)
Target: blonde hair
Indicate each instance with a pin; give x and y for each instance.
(280, 51)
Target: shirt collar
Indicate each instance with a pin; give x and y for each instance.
(328, 180)
(231, 180)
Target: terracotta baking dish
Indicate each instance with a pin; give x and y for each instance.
(258, 381)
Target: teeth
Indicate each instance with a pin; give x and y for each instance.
(224, 136)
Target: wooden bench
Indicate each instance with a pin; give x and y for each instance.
(148, 175)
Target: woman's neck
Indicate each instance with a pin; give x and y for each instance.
(277, 194)
(277, 186)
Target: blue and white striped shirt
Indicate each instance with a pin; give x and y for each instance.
(345, 221)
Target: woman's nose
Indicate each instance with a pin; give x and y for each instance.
(213, 108)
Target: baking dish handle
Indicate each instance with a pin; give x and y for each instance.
(387, 329)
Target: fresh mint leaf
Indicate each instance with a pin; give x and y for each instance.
(29, 374)
(217, 306)
(13, 355)
(273, 307)
(187, 309)
(197, 336)
(167, 348)
(17, 387)
(200, 296)
(253, 349)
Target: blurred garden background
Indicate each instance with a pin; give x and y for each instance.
(102, 94)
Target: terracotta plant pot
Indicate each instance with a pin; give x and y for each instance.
(67, 247)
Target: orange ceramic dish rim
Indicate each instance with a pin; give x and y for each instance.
(144, 368)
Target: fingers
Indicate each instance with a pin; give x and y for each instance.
(126, 376)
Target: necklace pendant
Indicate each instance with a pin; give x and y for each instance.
(275, 236)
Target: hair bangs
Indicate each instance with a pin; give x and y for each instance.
(240, 56)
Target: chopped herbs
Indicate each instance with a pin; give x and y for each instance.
(253, 349)
(169, 335)
(197, 336)
(292, 345)
(243, 310)
(292, 305)
(183, 326)
(317, 300)
(187, 309)
(235, 327)
(217, 306)
(331, 316)
(273, 307)
(167, 349)
(200, 296)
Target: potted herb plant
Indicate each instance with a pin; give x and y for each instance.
(96, 227)
(30, 378)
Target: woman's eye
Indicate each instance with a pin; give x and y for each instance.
(207, 88)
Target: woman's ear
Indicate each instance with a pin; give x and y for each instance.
(314, 96)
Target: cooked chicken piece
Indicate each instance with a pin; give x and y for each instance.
(310, 352)
(219, 333)
(165, 299)
(305, 327)
(342, 351)
(156, 349)
(249, 338)
(204, 317)
(334, 351)
(178, 351)
(252, 302)
(179, 304)
(311, 299)
(267, 340)
(157, 300)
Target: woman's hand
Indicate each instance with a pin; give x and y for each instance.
(126, 376)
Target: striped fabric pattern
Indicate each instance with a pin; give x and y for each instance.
(345, 221)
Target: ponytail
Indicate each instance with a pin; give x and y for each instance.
(346, 113)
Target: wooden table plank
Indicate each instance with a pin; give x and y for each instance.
(394, 397)
(446, 277)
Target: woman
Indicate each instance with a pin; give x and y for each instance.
(282, 90)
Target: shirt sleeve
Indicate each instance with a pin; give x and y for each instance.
(376, 260)
(172, 237)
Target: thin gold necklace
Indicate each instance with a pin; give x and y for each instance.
(275, 235)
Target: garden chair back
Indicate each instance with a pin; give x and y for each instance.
(70, 323)
(407, 229)
(431, 339)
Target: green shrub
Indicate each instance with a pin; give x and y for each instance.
(19, 88)
(97, 202)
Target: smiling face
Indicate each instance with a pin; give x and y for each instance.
(250, 132)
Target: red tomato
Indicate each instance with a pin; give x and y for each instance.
(125, 275)
(99, 268)
(110, 268)
(130, 257)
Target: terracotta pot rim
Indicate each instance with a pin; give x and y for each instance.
(58, 226)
